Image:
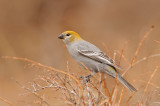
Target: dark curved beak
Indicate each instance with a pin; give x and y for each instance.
(61, 36)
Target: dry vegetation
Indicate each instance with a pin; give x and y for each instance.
(89, 92)
(29, 29)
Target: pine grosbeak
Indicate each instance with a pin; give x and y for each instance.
(91, 56)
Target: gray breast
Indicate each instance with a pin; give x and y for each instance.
(83, 45)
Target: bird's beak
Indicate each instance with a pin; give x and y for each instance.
(61, 36)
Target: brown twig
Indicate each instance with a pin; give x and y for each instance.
(120, 98)
(6, 101)
(121, 54)
(140, 44)
(130, 97)
(157, 41)
(140, 60)
(146, 88)
(50, 69)
(106, 49)
(152, 84)
(32, 92)
(106, 90)
(114, 96)
(152, 75)
(124, 58)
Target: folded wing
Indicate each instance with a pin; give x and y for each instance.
(100, 57)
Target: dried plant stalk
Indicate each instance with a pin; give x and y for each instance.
(140, 44)
(49, 68)
(6, 101)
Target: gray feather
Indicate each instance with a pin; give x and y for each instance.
(125, 83)
(100, 57)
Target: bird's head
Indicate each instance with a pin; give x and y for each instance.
(69, 37)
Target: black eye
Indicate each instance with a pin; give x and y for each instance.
(68, 34)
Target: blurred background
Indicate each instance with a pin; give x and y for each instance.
(29, 28)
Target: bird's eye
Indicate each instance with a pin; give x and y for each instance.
(68, 34)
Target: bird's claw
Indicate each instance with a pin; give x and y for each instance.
(86, 78)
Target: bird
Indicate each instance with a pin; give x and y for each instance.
(88, 55)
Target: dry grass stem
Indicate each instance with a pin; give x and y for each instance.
(152, 84)
(42, 100)
(157, 41)
(146, 88)
(139, 61)
(106, 49)
(49, 68)
(152, 75)
(6, 101)
(140, 44)
(121, 96)
(130, 97)
(124, 58)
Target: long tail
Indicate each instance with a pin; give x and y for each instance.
(125, 83)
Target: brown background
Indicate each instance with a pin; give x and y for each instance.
(29, 28)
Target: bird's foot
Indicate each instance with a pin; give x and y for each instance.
(86, 79)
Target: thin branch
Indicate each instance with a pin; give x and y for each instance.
(146, 88)
(120, 98)
(50, 69)
(6, 101)
(140, 44)
(29, 90)
(139, 61)
(157, 41)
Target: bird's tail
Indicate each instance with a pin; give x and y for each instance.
(126, 83)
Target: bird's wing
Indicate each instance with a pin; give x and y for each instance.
(100, 57)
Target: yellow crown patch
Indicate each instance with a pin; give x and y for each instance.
(75, 36)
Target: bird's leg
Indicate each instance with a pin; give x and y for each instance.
(86, 78)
